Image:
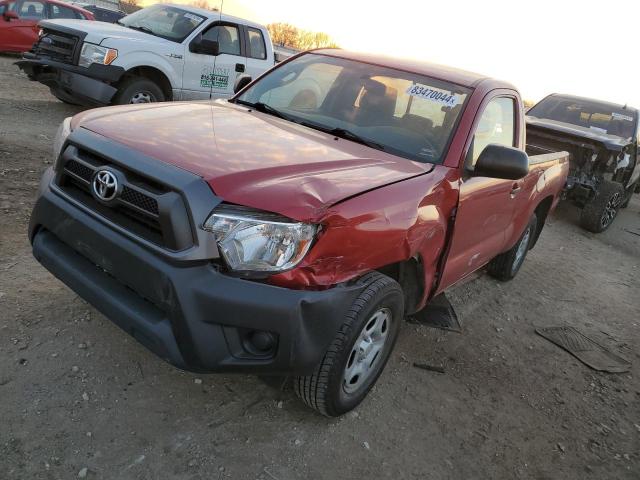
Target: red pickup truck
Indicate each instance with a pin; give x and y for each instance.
(289, 230)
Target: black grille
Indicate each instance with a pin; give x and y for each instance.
(56, 45)
(138, 207)
(139, 200)
(79, 169)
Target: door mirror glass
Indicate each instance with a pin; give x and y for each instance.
(500, 161)
(10, 15)
(241, 82)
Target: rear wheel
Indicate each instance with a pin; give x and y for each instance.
(138, 90)
(506, 265)
(360, 350)
(599, 213)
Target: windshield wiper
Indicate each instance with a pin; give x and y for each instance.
(347, 135)
(140, 28)
(335, 131)
(265, 108)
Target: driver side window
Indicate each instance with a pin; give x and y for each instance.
(496, 125)
(227, 37)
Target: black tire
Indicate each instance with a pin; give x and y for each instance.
(138, 90)
(325, 390)
(63, 97)
(599, 213)
(506, 265)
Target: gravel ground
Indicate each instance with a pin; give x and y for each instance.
(79, 398)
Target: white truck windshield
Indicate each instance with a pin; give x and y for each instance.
(164, 21)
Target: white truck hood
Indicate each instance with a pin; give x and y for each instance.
(97, 32)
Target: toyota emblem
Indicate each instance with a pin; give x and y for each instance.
(105, 185)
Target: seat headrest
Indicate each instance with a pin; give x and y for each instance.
(377, 103)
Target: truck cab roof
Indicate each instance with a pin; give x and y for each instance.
(212, 14)
(442, 72)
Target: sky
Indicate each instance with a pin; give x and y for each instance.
(589, 48)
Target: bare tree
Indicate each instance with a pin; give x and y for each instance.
(130, 6)
(288, 35)
(283, 34)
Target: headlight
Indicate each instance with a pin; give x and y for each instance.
(91, 53)
(256, 241)
(61, 136)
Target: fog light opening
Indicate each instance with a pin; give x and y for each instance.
(262, 341)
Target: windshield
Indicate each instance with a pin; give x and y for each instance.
(409, 115)
(163, 21)
(599, 116)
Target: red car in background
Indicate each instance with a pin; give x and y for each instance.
(19, 22)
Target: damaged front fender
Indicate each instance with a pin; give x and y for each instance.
(392, 224)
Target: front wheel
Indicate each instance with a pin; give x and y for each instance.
(360, 350)
(599, 213)
(138, 90)
(506, 265)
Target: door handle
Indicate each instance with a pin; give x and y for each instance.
(240, 67)
(515, 189)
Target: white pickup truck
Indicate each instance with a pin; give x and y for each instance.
(163, 52)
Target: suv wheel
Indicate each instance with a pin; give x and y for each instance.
(360, 350)
(599, 213)
(506, 265)
(138, 90)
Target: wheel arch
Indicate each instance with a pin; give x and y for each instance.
(542, 211)
(410, 275)
(154, 74)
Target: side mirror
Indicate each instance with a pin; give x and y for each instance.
(204, 46)
(10, 15)
(498, 161)
(241, 82)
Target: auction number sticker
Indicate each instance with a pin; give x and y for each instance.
(193, 17)
(433, 95)
(620, 116)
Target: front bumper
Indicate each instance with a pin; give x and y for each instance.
(91, 86)
(187, 312)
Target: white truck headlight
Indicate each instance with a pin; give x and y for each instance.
(91, 53)
(254, 241)
(61, 136)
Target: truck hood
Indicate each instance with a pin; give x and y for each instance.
(97, 32)
(250, 158)
(611, 142)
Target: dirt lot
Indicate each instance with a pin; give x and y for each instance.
(76, 393)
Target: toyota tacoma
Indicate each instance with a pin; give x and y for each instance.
(289, 230)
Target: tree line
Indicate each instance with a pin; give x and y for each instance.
(287, 35)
